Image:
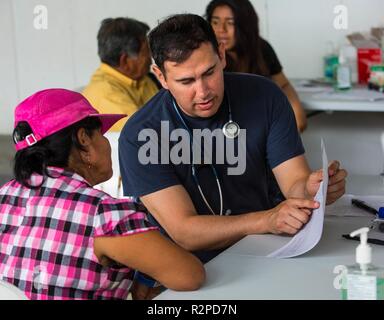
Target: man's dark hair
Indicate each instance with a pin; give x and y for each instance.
(53, 150)
(118, 36)
(178, 36)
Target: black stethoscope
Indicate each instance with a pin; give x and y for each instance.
(231, 130)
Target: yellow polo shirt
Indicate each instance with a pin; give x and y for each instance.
(109, 91)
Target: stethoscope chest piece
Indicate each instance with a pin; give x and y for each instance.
(231, 129)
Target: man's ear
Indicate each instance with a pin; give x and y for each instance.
(123, 60)
(160, 76)
(126, 63)
(222, 55)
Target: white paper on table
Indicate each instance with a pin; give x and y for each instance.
(312, 89)
(355, 94)
(307, 238)
(309, 86)
(343, 207)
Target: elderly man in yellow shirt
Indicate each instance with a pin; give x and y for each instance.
(121, 84)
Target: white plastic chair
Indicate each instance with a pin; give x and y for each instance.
(114, 185)
(10, 292)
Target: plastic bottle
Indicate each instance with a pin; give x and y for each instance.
(363, 281)
(343, 74)
(349, 54)
(330, 62)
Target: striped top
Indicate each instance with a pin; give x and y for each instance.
(47, 234)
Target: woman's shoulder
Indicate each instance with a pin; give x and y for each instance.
(11, 188)
(121, 217)
(265, 45)
(270, 57)
(127, 204)
(9, 183)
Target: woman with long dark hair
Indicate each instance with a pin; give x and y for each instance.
(236, 25)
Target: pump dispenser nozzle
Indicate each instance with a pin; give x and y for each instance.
(363, 250)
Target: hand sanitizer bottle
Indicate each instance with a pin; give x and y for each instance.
(343, 74)
(363, 281)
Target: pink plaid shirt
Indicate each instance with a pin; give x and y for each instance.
(47, 234)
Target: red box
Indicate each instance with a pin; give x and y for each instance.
(365, 58)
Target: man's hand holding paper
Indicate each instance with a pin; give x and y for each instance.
(324, 186)
(336, 183)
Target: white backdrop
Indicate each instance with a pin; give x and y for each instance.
(65, 55)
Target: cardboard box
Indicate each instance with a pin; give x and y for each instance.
(368, 54)
(366, 57)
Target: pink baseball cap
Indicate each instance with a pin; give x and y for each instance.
(48, 111)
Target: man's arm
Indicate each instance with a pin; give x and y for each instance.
(291, 175)
(297, 181)
(174, 210)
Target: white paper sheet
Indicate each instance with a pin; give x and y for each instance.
(307, 238)
(310, 86)
(355, 94)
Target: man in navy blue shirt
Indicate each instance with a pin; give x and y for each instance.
(209, 193)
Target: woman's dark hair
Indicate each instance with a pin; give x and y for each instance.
(248, 42)
(178, 36)
(53, 150)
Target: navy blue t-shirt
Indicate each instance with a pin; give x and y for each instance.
(257, 105)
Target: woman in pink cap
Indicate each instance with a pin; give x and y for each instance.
(61, 238)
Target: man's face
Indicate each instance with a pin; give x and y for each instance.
(197, 84)
(144, 59)
(137, 67)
